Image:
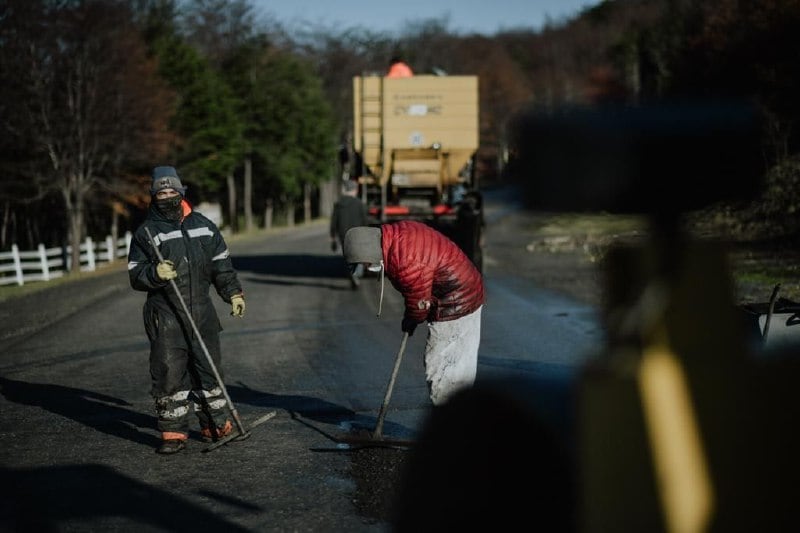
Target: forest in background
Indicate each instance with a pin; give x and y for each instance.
(255, 115)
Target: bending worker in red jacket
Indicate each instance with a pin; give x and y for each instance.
(439, 284)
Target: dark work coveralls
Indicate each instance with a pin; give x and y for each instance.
(180, 373)
(348, 212)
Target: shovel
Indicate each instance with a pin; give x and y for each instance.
(378, 432)
(242, 432)
(377, 438)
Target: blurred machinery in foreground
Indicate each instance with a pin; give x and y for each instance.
(681, 425)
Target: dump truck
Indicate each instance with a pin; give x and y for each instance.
(415, 140)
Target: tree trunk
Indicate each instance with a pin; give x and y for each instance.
(248, 194)
(232, 203)
(289, 213)
(73, 204)
(307, 203)
(633, 72)
(75, 233)
(112, 254)
(268, 213)
(327, 196)
(6, 224)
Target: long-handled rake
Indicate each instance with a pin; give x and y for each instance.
(241, 433)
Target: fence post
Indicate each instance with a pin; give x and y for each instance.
(128, 239)
(90, 254)
(43, 262)
(111, 249)
(17, 264)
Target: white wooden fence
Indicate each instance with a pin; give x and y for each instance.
(44, 264)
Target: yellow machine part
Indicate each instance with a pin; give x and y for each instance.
(417, 132)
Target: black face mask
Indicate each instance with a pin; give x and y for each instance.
(171, 208)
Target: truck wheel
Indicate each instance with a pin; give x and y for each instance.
(477, 253)
(469, 230)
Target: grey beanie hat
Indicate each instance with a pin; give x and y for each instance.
(349, 186)
(362, 244)
(166, 178)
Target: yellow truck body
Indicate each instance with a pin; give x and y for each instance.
(416, 140)
(417, 132)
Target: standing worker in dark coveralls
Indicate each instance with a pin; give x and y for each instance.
(195, 257)
(348, 212)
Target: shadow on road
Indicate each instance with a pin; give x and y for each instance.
(304, 409)
(101, 412)
(294, 266)
(44, 499)
(111, 415)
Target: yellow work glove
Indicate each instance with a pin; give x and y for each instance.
(166, 270)
(237, 305)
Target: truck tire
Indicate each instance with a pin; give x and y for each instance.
(469, 228)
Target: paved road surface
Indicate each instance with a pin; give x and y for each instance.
(77, 436)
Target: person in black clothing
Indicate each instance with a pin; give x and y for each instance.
(195, 257)
(348, 212)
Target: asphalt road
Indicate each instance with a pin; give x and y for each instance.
(77, 435)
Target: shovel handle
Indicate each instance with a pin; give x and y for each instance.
(770, 311)
(377, 433)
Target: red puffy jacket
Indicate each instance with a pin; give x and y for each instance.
(435, 277)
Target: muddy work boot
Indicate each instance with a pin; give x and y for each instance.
(172, 443)
(214, 434)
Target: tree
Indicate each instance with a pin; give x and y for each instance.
(288, 122)
(336, 57)
(745, 50)
(208, 128)
(243, 69)
(86, 102)
(216, 28)
(296, 140)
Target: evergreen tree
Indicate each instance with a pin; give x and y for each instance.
(289, 126)
(209, 128)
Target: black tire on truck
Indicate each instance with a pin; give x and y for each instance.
(466, 229)
(469, 224)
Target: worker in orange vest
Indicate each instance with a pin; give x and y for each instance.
(399, 69)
